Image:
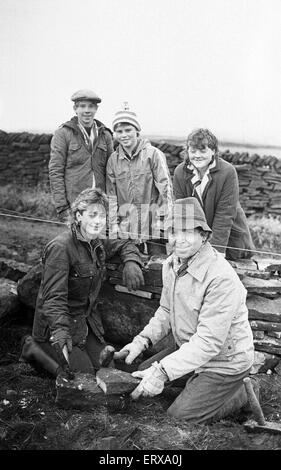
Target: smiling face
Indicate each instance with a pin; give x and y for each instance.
(200, 157)
(126, 135)
(186, 243)
(86, 111)
(92, 221)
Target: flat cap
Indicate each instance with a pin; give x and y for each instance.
(85, 95)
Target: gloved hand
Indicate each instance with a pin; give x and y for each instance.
(152, 383)
(62, 337)
(132, 275)
(133, 349)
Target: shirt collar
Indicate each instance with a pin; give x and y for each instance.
(123, 154)
(199, 265)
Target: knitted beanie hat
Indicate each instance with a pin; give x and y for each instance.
(126, 116)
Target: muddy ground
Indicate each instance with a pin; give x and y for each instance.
(31, 420)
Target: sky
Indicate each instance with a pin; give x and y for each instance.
(181, 64)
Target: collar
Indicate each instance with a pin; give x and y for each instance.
(78, 235)
(123, 154)
(196, 173)
(214, 166)
(198, 265)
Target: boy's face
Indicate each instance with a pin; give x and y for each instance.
(200, 157)
(126, 135)
(92, 221)
(185, 242)
(86, 111)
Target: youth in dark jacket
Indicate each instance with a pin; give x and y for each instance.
(80, 149)
(73, 270)
(214, 183)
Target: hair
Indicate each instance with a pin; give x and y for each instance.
(125, 123)
(85, 199)
(204, 234)
(201, 138)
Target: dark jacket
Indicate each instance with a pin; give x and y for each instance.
(72, 164)
(72, 273)
(221, 205)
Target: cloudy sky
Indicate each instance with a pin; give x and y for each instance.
(179, 63)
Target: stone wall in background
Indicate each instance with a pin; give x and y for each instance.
(24, 160)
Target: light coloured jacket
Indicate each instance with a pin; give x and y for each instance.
(142, 180)
(205, 307)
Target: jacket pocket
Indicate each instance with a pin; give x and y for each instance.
(80, 281)
(74, 146)
(227, 350)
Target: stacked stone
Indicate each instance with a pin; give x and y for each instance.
(24, 160)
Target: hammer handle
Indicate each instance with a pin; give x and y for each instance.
(254, 402)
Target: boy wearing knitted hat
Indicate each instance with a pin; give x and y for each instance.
(137, 180)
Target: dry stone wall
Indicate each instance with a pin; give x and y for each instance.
(24, 160)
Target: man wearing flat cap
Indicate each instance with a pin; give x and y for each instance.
(203, 307)
(80, 149)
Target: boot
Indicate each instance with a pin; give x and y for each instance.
(34, 354)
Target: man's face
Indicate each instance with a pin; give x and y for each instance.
(86, 111)
(200, 158)
(126, 135)
(185, 243)
(92, 221)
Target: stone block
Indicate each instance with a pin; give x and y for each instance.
(258, 334)
(83, 393)
(259, 286)
(115, 381)
(261, 308)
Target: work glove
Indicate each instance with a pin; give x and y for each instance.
(133, 349)
(132, 275)
(62, 338)
(152, 383)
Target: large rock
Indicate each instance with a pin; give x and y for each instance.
(123, 315)
(28, 286)
(12, 269)
(9, 302)
(83, 393)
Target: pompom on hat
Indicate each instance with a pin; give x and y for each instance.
(125, 115)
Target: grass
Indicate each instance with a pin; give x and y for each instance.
(37, 202)
(266, 232)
